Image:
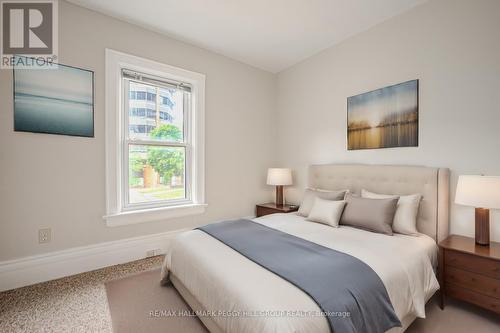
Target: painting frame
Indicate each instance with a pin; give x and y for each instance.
(417, 107)
(52, 132)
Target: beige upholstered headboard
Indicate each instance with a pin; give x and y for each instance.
(432, 183)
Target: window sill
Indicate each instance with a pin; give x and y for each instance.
(155, 214)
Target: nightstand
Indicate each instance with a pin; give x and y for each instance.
(272, 208)
(470, 272)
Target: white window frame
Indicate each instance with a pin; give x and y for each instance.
(117, 212)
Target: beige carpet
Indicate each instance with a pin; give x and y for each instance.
(133, 300)
(76, 303)
(457, 317)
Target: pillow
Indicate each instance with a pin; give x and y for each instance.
(405, 219)
(310, 194)
(326, 211)
(374, 215)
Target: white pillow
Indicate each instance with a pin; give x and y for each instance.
(310, 195)
(405, 219)
(326, 211)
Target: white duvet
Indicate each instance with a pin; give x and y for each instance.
(244, 297)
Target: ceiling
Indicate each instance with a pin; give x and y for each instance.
(268, 34)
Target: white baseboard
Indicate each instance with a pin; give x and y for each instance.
(40, 268)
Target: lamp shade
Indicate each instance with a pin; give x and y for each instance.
(279, 176)
(478, 191)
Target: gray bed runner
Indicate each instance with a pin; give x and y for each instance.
(337, 282)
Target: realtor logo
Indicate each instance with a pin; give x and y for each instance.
(29, 28)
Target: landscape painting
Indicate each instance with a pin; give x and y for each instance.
(54, 101)
(384, 118)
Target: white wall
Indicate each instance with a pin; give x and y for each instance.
(58, 181)
(453, 47)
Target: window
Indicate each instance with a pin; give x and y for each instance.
(154, 140)
(155, 146)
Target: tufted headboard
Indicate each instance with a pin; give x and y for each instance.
(432, 183)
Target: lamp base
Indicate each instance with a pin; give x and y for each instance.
(279, 195)
(482, 226)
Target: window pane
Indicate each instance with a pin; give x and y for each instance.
(155, 113)
(156, 173)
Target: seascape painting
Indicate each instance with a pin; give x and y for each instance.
(384, 118)
(54, 101)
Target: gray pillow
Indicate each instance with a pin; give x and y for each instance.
(310, 195)
(375, 215)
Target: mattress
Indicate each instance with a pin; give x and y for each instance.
(241, 296)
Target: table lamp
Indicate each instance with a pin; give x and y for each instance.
(483, 193)
(279, 177)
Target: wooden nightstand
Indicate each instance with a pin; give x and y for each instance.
(470, 272)
(271, 208)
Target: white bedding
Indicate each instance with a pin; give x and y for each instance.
(221, 279)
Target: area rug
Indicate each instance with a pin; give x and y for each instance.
(139, 304)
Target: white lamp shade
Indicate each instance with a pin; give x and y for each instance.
(478, 191)
(279, 176)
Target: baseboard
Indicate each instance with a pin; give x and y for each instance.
(40, 268)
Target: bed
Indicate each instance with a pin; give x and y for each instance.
(221, 284)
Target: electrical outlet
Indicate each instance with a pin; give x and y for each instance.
(152, 253)
(44, 236)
